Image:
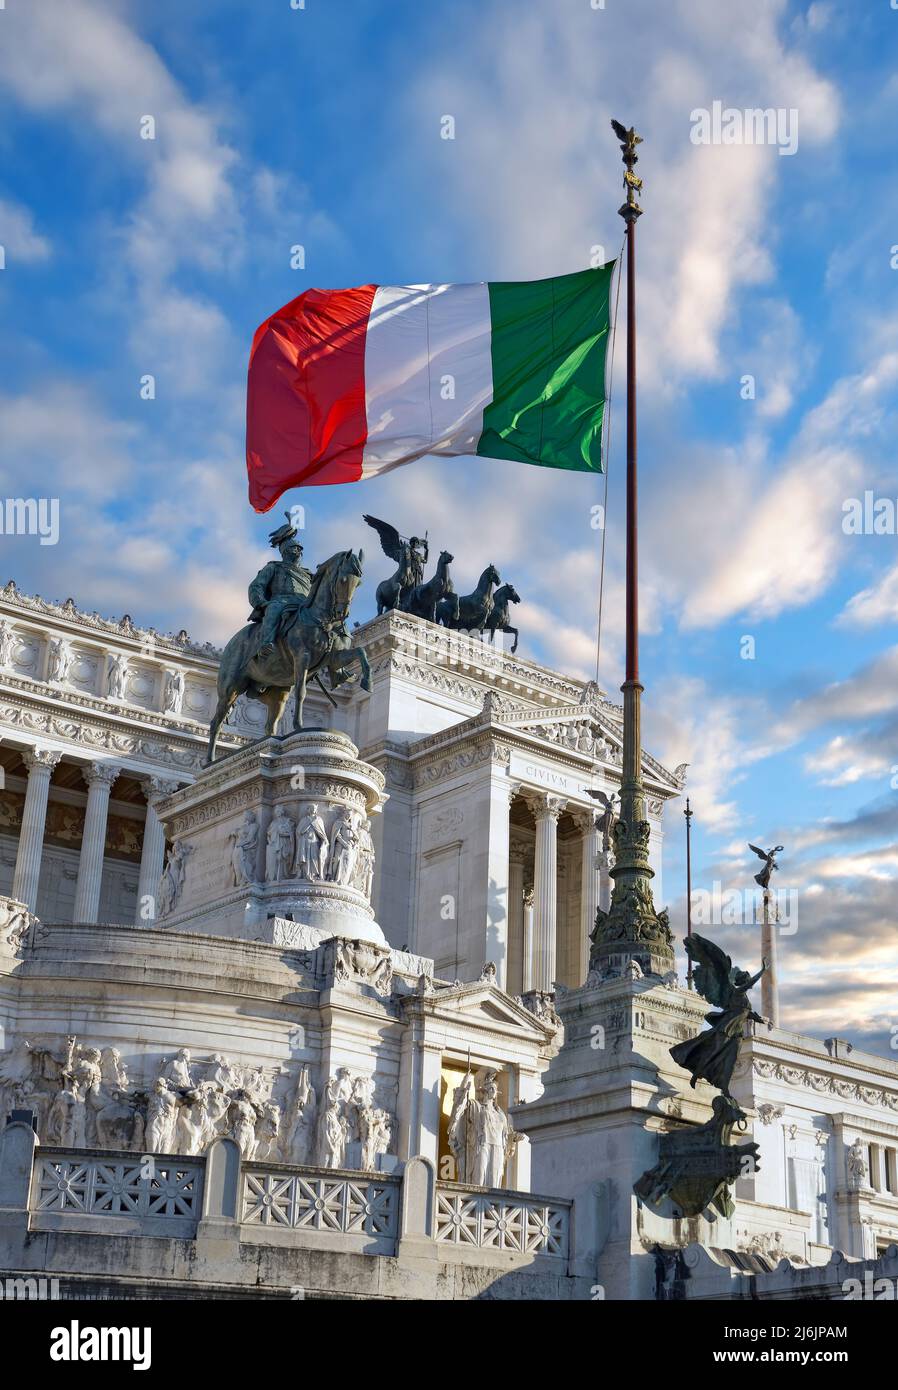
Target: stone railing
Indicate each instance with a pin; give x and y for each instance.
(494, 1220)
(220, 1200)
(92, 1189)
(363, 1207)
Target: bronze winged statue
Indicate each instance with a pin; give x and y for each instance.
(711, 1056)
(411, 556)
(770, 865)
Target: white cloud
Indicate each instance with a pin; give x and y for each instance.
(18, 236)
(875, 605)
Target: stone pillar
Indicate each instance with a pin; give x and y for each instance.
(770, 999)
(40, 763)
(546, 811)
(590, 886)
(515, 978)
(99, 778)
(527, 969)
(153, 853)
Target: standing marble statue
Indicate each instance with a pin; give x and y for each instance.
(162, 1118)
(172, 880)
(245, 842)
(311, 845)
(7, 643)
(343, 846)
(279, 847)
(857, 1166)
(481, 1136)
(60, 660)
(118, 676)
(173, 697)
(333, 1124)
(363, 877)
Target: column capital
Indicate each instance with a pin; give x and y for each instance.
(41, 759)
(544, 805)
(102, 774)
(585, 820)
(155, 788)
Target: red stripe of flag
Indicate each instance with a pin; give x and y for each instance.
(305, 394)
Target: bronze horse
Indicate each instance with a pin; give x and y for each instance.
(309, 641)
(497, 621)
(423, 599)
(469, 612)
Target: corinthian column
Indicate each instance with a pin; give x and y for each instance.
(546, 811)
(153, 853)
(515, 979)
(99, 778)
(590, 885)
(40, 763)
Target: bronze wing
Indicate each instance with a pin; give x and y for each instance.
(389, 537)
(713, 979)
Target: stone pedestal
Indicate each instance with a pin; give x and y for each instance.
(280, 829)
(608, 1093)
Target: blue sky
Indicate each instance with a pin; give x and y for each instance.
(321, 127)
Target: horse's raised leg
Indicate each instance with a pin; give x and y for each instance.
(514, 645)
(365, 682)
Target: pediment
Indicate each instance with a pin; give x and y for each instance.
(489, 1005)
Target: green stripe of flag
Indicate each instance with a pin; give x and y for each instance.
(549, 339)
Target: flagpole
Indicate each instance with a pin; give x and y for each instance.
(689, 813)
(631, 929)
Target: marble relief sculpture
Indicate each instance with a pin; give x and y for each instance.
(118, 676)
(311, 846)
(7, 643)
(279, 847)
(857, 1166)
(245, 843)
(173, 694)
(344, 845)
(301, 1121)
(162, 1118)
(172, 881)
(481, 1136)
(333, 1124)
(81, 1097)
(60, 659)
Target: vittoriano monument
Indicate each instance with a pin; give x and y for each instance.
(697, 1165)
(297, 629)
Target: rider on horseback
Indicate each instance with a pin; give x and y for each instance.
(280, 587)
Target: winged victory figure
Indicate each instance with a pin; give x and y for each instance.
(769, 856)
(712, 1055)
(410, 555)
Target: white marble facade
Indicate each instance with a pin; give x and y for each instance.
(454, 859)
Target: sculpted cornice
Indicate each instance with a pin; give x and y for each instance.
(810, 1078)
(15, 603)
(88, 722)
(421, 646)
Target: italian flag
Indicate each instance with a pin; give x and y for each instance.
(347, 384)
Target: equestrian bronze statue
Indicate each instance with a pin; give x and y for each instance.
(297, 629)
